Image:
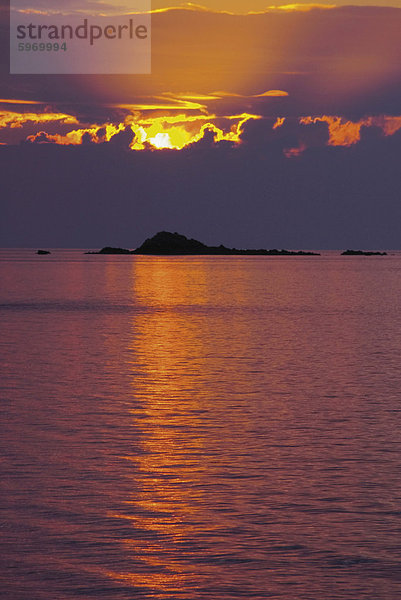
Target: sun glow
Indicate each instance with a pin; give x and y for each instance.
(161, 140)
(177, 132)
(173, 132)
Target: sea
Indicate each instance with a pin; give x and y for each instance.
(200, 428)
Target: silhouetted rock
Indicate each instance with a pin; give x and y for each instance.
(174, 244)
(362, 253)
(166, 243)
(42, 252)
(111, 250)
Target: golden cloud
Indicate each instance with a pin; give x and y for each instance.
(14, 119)
(163, 126)
(167, 132)
(75, 137)
(300, 7)
(179, 131)
(297, 7)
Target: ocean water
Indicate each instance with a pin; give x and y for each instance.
(200, 428)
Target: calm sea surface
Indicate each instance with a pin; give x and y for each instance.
(200, 428)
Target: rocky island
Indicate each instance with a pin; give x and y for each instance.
(111, 250)
(362, 253)
(165, 243)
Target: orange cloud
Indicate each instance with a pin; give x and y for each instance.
(167, 102)
(268, 93)
(14, 101)
(294, 152)
(279, 122)
(13, 119)
(346, 133)
(390, 125)
(341, 133)
(271, 93)
(191, 101)
(184, 6)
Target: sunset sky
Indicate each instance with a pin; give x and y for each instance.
(276, 128)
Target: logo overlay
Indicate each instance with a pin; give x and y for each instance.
(62, 42)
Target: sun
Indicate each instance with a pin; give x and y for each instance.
(161, 140)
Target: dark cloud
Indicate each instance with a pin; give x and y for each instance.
(331, 197)
(123, 139)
